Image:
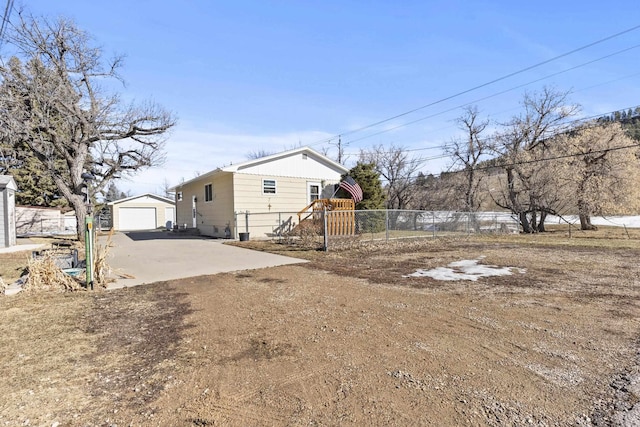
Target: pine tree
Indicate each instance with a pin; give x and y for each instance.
(112, 193)
(35, 188)
(369, 180)
(372, 198)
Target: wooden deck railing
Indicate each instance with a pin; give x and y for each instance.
(340, 222)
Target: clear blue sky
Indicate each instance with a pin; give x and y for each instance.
(245, 76)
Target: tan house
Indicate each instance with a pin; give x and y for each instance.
(272, 189)
(144, 212)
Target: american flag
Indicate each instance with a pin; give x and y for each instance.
(351, 186)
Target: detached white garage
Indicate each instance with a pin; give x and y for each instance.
(145, 212)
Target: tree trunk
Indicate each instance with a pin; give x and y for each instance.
(543, 216)
(585, 216)
(534, 222)
(585, 223)
(468, 196)
(524, 221)
(81, 213)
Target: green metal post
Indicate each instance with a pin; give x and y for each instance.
(88, 244)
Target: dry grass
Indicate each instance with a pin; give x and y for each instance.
(102, 270)
(45, 275)
(556, 235)
(74, 358)
(141, 355)
(13, 265)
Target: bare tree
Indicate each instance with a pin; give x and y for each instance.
(51, 100)
(165, 190)
(258, 154)
(398, 169)
(601, 168)
(523, 142)
(468, 152)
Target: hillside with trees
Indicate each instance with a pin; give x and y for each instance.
(540, 162)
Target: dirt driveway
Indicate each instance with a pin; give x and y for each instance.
(344, 340)
(153, 256)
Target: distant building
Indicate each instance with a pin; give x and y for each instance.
(144, 212)
(8, 190)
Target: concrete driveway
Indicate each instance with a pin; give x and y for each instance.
(154, 256)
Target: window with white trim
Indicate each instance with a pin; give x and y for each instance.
(268, 186)
(314, 192)
(208, 192)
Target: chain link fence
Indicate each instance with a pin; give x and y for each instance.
(324, 229)
(265, 225)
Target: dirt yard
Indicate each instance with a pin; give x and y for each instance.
(345, 339)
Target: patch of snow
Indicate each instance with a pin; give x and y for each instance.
(615, 221)
(465, 270)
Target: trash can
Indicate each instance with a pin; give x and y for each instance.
(244, 237)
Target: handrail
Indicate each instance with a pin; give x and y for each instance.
(330, 204)
(314, 208)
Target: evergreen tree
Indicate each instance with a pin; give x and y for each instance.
(372, 198)
(112, 193)
(35, 188)
(369, 180)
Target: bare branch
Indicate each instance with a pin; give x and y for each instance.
(51, 102)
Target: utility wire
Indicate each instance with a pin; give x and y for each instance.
(5, 19)
(563, 127)
(529, 68)
(492, 95)
(525, 162)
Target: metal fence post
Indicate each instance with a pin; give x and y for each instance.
(246, 221)
(279, 226)
(325, 244)
(386, 224)
(235, 224)
(88, 244)
(433, 224)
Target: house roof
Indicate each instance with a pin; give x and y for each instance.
(154, 196)
(267, 159)
(7, 181)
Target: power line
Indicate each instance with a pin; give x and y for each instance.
(529, 68)
(5, 19)
(564, 156)
(555, 131)
(525, 162)
(494, 95)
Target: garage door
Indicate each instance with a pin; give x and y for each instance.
(137, 219)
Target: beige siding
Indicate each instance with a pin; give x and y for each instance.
(291, 194)
(291, 197)
(212, 218)
(235, 192)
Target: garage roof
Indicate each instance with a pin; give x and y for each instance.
(155, 196)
